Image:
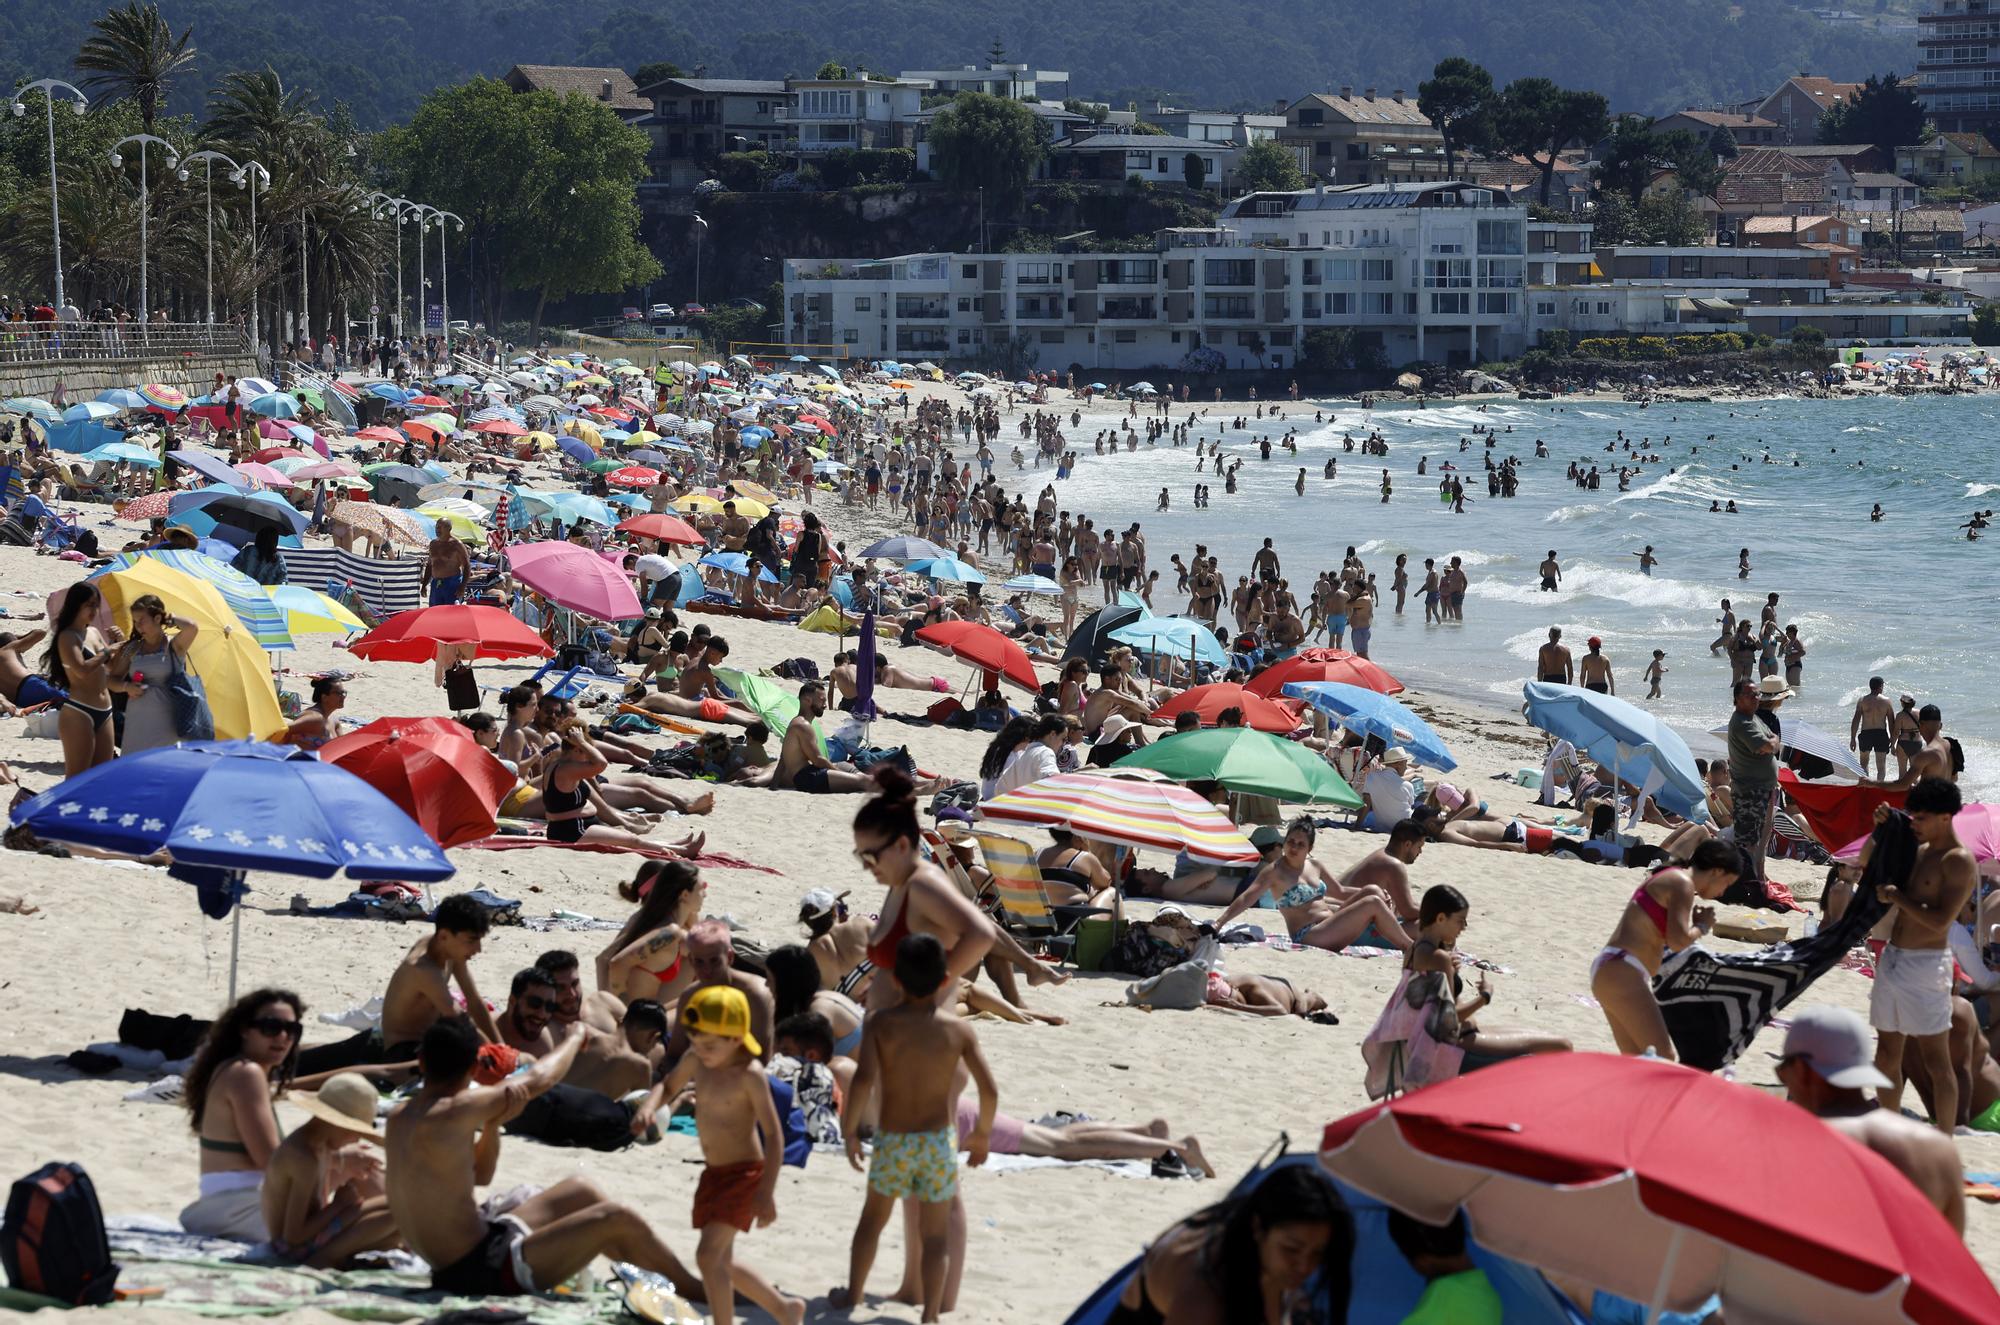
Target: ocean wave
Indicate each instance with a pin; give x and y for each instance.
(1478, 558)
(1863, 427)
(1981, 489)
(1564, 514)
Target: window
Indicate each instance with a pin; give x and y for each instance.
(1447, 248)
(1127, 306)
(920, 306)
(849, 336)
(1447, 273)
(826, 101)
(1492, 301)
(1451, 303)
(1128, 271)
(1604, 308)
(1545, 308)
(1052, 338)
(1339, 270)
(1339, 303)
(1545, 242)
(1229, 271)
(1036, 273)
(969, 270)
(862, 303)
(1124, 337)
(1691, 267)
(1226, 305)
(1500, 237)
(1162, 166)
(965, 303)
(1378, 303)
(1282, 336)
(1247, 338)
(1378, 269)
(1502, 275)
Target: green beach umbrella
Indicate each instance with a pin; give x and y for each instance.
(1245, 760)
(605, 466)
(311, 396)
(767, 699)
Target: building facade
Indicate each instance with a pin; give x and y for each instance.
(827, 114)
(1016, 82)
(694, 120)
(1366, 139)
(1958, 64)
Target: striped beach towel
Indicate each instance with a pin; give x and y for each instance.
(386, 587)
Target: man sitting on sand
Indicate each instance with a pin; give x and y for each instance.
(419, 993)
(445, 1141)
(801, 764)
(1388, 867)
(711, 956)
(600, 1009)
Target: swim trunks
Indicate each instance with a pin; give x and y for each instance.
(727, 1194)
(445, 589)
(494, 1267)
(1361, 637)
(811, 779)
(1555, 678)
(1598, 686)
(1912, 991)
(919, 1164)
(1874, 740)
(1337, 625)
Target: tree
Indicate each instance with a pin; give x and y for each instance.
(982, 141)
(1986, 324)
(1614, 219)
(1327, 349)
(1722, 144)
(1458, 101)
(832, 69)
(1629, 159)
(655, 71)
(1694, 165)
(1268, 167)
(1148, 128)
(1538, 119)
(1194, 170)
(134, 53)
(1669, 218)
(1884, 114)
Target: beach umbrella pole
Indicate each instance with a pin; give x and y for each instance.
(1659, 1302)
(235, 930)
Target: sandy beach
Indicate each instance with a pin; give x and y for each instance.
(115, 936)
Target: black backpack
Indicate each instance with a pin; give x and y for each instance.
(53, 1242)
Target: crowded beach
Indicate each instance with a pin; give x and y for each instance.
(730, 838)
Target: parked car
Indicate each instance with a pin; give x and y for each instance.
(750, 304)
(693, 310)
(660, 312)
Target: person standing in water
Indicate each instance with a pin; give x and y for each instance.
(1552, 573)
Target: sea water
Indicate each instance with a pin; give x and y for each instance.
(1908, 599)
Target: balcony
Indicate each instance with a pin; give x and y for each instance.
(922, 309)
(1127, 309)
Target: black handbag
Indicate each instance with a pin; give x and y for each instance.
(188, 699)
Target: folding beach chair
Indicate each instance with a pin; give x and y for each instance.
(1024, 899)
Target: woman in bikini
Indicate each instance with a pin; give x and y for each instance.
(921, 899)
(78, 661)
(244, 1064)
(795, 987)
(317, 725)
(1662, 915)
(1318, 912)
(645, 960)
(1074, 689)
(1074, 876)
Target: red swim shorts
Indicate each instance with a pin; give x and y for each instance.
(727, 1194)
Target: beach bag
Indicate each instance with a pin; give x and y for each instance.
(53, 1241)
(1183, 987)
(461, 688)
(15, 534)
(188, 699)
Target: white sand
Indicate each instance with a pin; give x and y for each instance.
(113, 937)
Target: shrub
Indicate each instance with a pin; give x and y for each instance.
(1807, 335)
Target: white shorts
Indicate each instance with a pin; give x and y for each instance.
(1912, 991)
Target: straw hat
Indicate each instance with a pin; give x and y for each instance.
(1395, 754)
(345, 1100)
(1771, 689)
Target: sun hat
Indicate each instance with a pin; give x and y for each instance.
(1114, 727)
(720, 1010)
(1838, 1045)
(346, 1100)
(1395, 754)
(1774, 688)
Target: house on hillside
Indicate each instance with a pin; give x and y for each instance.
(826, 114)
(1873, 191)
(1797, 105)
(1364, 139)
(1155, 158)
(613, 87)
(1948, 159)
(1521, 181)
(1016, 82)
(1747, 130)
(1853, 157)
(695, 120)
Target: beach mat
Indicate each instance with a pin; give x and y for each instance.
(716, 860)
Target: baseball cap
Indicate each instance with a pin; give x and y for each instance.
(1837, 1044)
(817, 902)
(1595, 642)
(720, 1010)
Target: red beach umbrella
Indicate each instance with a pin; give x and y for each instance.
(270, 453)
(983, 647)
(633, 476)
(414, 636)
(1266, 715)
(1324, 665)
(432, 770)
(1661, 1183)
(501, 428)
(664, 528)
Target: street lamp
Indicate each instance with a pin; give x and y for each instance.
(208, 159)
(697, 257)
(48, 87)
(376, 202)
(144, 140)
(444, 273)
(252, 176)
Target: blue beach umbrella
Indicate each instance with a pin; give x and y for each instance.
(276, 405)
(1636, 746)
(903, 547)
(124, 453)
(89, 412)
(1374, 714)
(736, 564)
(122, 398)
(1177, 636)
(1031, 584)
(245, 510)
(390, 392)
(947, 568)
(224, 808)
(32, 408)
(576, 449)
(574, 506)
(211, 467)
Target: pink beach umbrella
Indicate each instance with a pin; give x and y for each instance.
(576, 578)
(1977, 827)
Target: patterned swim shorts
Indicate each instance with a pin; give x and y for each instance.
(919, 1164)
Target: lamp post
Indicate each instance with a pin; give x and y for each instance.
(252, 176)
(208, 158)
(388, 207)
(702, 226)
(444, 273)
(144, 140)
(48, 87)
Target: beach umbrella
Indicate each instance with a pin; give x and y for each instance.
(119, 397)
(152, 506)
(246, 510)
(1179, 637)
(378, 433)
(225, 808)
(163, 398)
(770, 701)
(437, 426)
(903, 547)
(1373, 713)
(1800, 741)
(1246, 760)
(212, 467)
(647, 455)
(736, 563)
(313, 471)
(630, 501)
(268, 455)
(246, 598)
(633, 476)
(1208, 701)
(576, 578)
(414, 636)
(575, 449)
(390, 392)
(31, 408)
(1324, 665)
(462, 526)
(263, 476)
(663, 528)
(432, 770)
(123, 453)
(310, 612)
(1606, 1168)
(1092, 638)
(825, 468)
(235, 671)
(949, 569)
(574, 506)
(89, 412)
(500, 428)
(1141, 811)
(743, 487)
(985, 648)
(1976, 826)
(1040, 584)
(277, 405)
(1636, 746)
(425, 400)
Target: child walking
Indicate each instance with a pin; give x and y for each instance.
(741, 1143)
(910, 1054)
(1654, 671)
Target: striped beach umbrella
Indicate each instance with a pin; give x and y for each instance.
(246, 598)
(1143, 812)
(160, 396)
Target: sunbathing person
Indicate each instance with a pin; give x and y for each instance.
(1317, 912)
(1971, 1061)
(1662, 915)
(249, 1055)
(569, 806)
(418, 994)
(1488, 834)
(1265, 996)
(620, 1062)
(838, 942)
(323, 1200)
(645, 960)
(1073, 875)
(795, 988)
(802, 764)
(1082, 1141)
(20, 686)
(1387, 868)
(445, 1141)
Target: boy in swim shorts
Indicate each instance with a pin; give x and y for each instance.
(909, 1056)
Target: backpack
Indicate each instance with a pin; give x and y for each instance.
(53, 1241)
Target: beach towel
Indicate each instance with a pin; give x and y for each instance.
(1837, 813)
(717, 860)
(1715, 1005)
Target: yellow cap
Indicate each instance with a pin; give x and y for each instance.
(720, 1010)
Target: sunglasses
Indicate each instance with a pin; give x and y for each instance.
(275, 1027)
(536, 1003)
(869, 855)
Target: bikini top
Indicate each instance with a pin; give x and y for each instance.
(1649, 904)
(882, 952)
(1064, 874)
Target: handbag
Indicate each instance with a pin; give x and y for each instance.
(188, 699)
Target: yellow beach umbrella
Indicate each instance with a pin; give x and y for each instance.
(310, 612)
(461, 526)
(595, 379)
(641, 438)
(585, 433)
(743, 487)
(541, 441)
(235, 673)
(697, 501)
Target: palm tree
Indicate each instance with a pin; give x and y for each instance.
(133, 52)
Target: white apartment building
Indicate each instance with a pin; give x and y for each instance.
(1016, 82)
(826, 114)
(1425, 272)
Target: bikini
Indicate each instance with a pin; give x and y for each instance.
(1654, 911)
(98, 716)
(882, 952)
(1064, 874)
